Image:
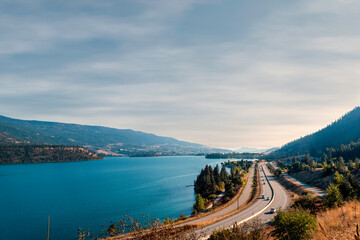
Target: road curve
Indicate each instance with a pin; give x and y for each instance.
(243, 198)
(282, 199)
(260, 208)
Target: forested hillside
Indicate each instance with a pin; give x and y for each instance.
(28, 153)
(101, 139)
(342, 131)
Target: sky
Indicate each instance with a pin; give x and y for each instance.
(223, 73)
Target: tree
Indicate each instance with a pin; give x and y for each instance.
(182, 217)
(333, 195)
(199, 204)
(205, 182)
(230, 190)
(295, 225)
(211, 185)
(340, 164)
(306, 159)
(168, 221)
(347, 186)
(216, 174)
(224, 175)
(339, 178)
(278, 172)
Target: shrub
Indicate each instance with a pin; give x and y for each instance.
(182, 217)
(295, 225)
(199, 204)
(313, 204)
(333, 195)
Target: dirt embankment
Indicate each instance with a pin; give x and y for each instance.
(315, 178)
(291, 186)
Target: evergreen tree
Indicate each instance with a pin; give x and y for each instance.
(199, 204)
(217, 174)
(205, 182)
(210, 186)
(307, 159)
(224, 175)
(333, 195)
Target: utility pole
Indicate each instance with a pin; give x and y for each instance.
(48, 232)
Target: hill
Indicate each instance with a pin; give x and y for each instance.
(108, 141)
(343, 131)
(33, 153)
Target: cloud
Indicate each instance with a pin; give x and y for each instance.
(292, 72)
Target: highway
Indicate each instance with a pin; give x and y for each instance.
(244, 197)
(278, 198)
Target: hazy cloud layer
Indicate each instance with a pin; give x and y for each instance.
(221, 73)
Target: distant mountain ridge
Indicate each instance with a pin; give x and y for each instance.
(109, 141)
(249, 150)
(255, 150)
(342, 131)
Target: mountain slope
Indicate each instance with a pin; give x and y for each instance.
(342, 131)
(102, 139)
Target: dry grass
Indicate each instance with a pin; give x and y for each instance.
(339, 223)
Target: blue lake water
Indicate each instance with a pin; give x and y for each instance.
(93, 193)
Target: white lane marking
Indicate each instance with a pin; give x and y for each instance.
(252, 216)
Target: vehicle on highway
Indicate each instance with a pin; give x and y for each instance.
(272, 210)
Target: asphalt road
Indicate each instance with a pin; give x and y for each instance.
(282, 199)
(260, 208)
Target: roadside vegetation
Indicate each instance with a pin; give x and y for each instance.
(253, 230)
(337, 214)
(211, 182)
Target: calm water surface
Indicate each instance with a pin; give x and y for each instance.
(93, 193)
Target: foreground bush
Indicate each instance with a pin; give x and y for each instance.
(248, 231)
(294, 225)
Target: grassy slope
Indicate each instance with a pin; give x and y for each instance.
(339, 223)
